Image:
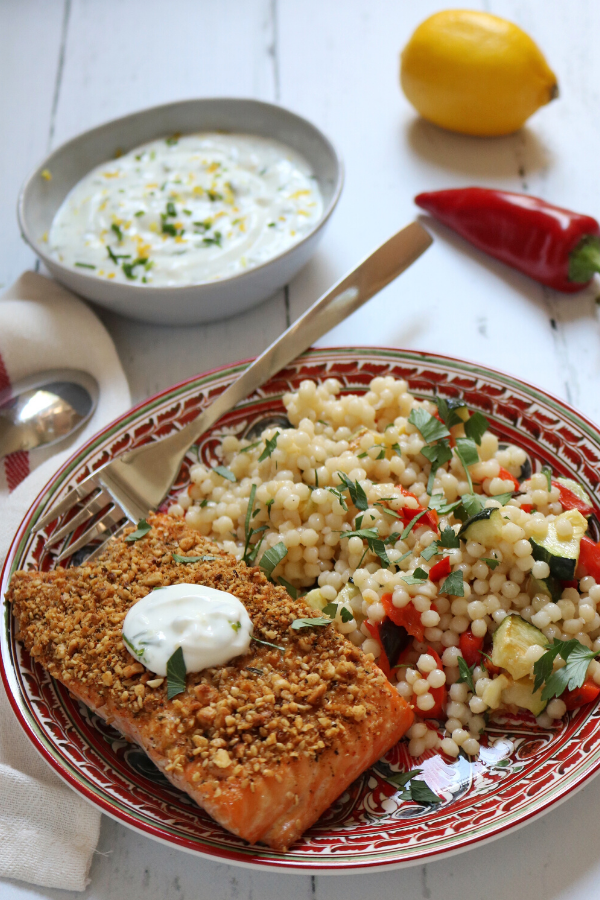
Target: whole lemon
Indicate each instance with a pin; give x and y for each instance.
(475, 73)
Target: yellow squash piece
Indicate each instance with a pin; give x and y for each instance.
(475, 73)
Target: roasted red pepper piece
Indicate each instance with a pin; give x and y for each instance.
(382, 660)
(471, 647)
(569, 500)
(440, 570)
(587, 693)
(550, 244)
(505, 475)
(408, 617)
(527, 507)
(430, 518)
(589, 557)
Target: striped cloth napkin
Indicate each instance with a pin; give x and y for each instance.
(48, 833)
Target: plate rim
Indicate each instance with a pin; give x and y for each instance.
(231, 856)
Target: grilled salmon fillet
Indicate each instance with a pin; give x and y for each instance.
(265, 743)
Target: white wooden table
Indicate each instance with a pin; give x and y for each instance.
(67, 65)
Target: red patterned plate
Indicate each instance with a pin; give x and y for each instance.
(522, 771)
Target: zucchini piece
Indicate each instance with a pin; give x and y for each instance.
(576, 489)
(548, 586)
(315, 600)
(561, 555)
(485, 527)
(511, 641)
(521, 693)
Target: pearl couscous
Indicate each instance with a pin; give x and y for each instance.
(364, 505)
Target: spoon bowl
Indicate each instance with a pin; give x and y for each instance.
(46, 409)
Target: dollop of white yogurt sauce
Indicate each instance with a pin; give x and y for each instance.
(210, 626)
(187, 210)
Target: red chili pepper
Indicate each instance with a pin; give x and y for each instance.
(408, 617)
(505, 475)
(589, 557)
(569, 500)
(382, 660)
(587, 693)
(550, 244)
(471, 647)
(440, 570)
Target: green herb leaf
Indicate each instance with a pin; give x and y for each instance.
(269, 447)
(331, 610)
(116, 257)
(431, 428)
(269, 504)
(357, 494)
(171, 211)
(466, 450)
(453, 585)
(191, 559)
(297, 624)
(449, 538)
(367, 534)
(432, 550)
(289, 588)
(420, 792)
(272, 557)
(269, 644)
(491, 563)
(176, 674)
(439, 503)
(503, 498)
(224, 472)
(577, 658)
(141, 531)
(339, 497)
(466, 674)
(476, 426)
(547, 471)
(417, 577)
(472, 504)
(250, 447)
(437, 454)
(133, 648)
(236, 626)
(378, 547)
(447, 410)
(114, 227)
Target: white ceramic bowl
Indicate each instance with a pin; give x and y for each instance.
(40, 199)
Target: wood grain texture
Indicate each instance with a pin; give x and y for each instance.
(336, 63)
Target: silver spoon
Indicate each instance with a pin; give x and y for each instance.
(46, 409)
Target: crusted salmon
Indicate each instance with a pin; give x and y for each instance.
(264, 744)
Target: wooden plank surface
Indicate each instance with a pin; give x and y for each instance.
(70, 64)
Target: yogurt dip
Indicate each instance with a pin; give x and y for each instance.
(210, 626)
(187, 210)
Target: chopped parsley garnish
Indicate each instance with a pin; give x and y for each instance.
(213, 196)
(250, 447)
(85, 265)
(269, 447)
(141, 531)
(417, 577)
(224, 472)
(215, 239)
(577, 658)
(251, 550)
(117, 231)
(171, 211)
(236, 626)
(491, 563)
(331, 611)
(310, 623)
(203, 226)
(447, 410)
(117, 256)
(449, 538)
(466, 450)
(412, 524)
(272, 557)
(466, 674)
(547, 471)
(440, 504)
(139, 213)
(432, 550)
(431, 429)
(191, 559)
(134, 649)
(476, 426)
(129, 268)
(169, 228)
(269, 504)
(269, 644)
(454, 585)
(289, 588)
(437, 454)
(357, 494)
(412, 788)
(375, 544)
(176, 674)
